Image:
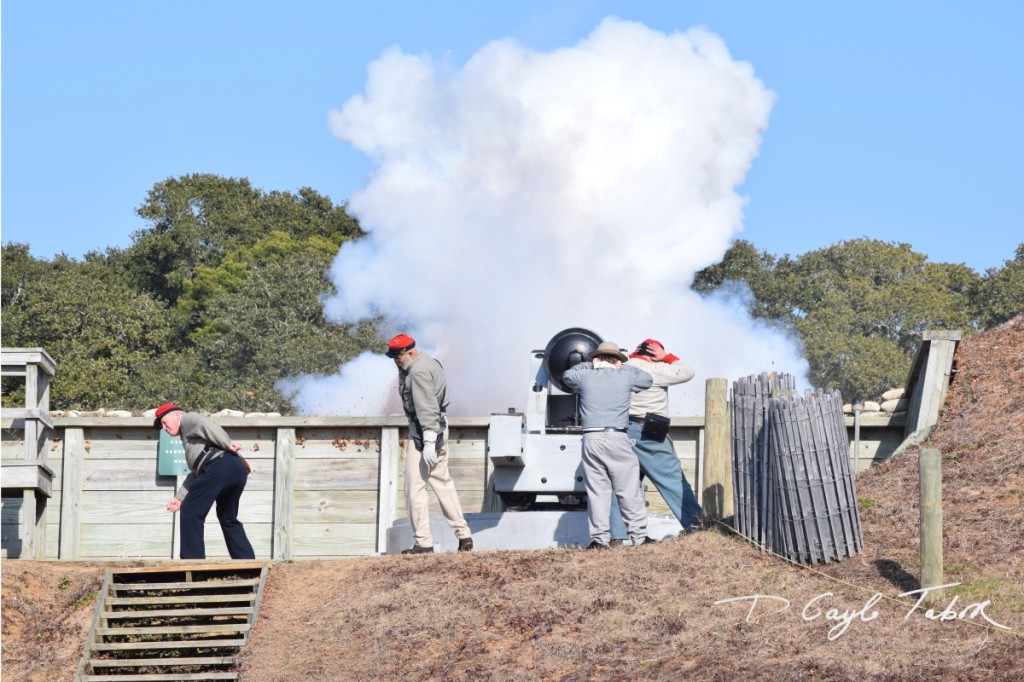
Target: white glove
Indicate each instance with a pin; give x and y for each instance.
(430, 449)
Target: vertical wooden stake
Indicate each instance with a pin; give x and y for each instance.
(71, 493)
(930, 473)
(176, 523)
(387, 492)
(284, 497)
(717, 490)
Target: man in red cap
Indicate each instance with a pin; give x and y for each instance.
(424, 391)
(216, 474)
(655, 450)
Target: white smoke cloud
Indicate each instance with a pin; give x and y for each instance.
(528, 192)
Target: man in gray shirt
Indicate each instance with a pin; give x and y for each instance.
(217, 473)
(424, 391)
(605, 386)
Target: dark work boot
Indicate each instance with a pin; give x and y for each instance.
(646, 540)
(416, 549)
(466, 545)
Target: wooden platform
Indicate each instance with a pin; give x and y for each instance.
(173, 622)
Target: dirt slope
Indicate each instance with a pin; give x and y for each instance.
(648, 613)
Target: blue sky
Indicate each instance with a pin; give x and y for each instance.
(896, 121)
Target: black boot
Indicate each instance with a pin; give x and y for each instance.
(416, 549)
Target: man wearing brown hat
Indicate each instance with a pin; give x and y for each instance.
(424, 391)
(605, 386)
(216, 474)
(653, 446)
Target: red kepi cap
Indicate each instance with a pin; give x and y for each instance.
(399, 343)
(165, 409)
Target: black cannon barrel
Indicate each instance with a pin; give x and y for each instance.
(567, 348)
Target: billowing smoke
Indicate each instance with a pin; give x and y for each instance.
(529, 192)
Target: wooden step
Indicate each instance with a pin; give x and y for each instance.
(192, 598)
(162, 662)
(212, 566)
(170, 644)
(201, 622)
(202, 585)
(165, 613)
(175, 630)
(161, 677)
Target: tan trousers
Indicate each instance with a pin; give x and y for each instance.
(417, 500)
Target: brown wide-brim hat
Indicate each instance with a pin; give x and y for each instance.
(609, 348)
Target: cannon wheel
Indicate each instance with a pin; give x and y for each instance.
(517, 501)
(576, 501)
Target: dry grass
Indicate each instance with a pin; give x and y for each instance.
(647, 613)
(47, 610)
(650, 613)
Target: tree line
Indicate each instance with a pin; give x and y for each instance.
(220, 296)
(859, 307)
(213, 302)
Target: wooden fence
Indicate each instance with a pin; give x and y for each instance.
(89, 487)
(793, 477)
(816, 500)
(322, 487)
(753, 497)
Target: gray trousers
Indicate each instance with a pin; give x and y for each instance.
(611, 468)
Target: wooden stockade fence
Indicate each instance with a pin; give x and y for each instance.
(754, 499)
(794, 487)
(818, 505)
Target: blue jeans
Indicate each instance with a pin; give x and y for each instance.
(221, 480)
(659, 463)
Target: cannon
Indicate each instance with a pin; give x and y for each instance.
(537, 453)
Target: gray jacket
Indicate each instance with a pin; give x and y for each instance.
(605, 393)
(424, 391)
(197, 432)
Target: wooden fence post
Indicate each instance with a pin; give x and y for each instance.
(387, 492)
(284, 483)
(930, 474)
(71, 494)
(717, 490)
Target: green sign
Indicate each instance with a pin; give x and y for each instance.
(170, 458)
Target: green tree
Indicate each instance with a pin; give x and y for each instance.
(271, 327)
(197, 220)
(216, 300)
(770, 285)
(212, 283)
(102, 332)
(1001, 294)
(20, 270)
(859, 306)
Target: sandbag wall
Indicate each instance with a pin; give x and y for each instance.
(793, 487)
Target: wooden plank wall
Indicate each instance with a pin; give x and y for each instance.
(315, 491)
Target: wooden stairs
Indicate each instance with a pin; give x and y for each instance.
(185, 622)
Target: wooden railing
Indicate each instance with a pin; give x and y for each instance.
(28, 478)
